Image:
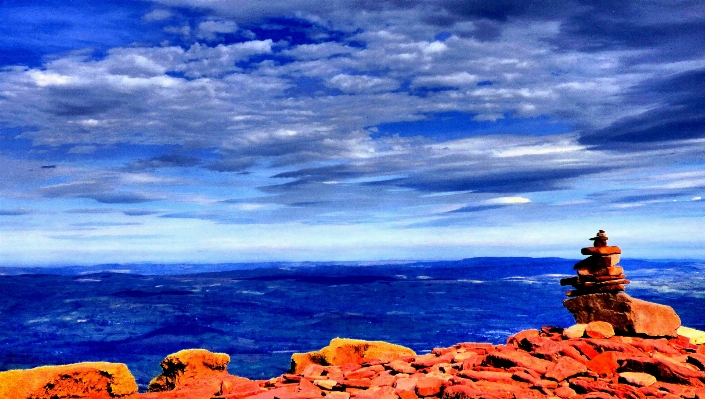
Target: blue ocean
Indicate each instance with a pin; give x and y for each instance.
(262, 313)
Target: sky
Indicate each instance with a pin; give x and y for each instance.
(239, 131)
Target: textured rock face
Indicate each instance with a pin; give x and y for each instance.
(81, 380)
(626, 314)
(349, 351)
(185, 367)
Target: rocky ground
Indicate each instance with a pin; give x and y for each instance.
(584, 361)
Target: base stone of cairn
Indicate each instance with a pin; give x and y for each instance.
(599, 296)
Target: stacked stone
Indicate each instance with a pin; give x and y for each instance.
(600, 272)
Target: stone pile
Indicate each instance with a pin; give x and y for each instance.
(600, 272)
(599, 296)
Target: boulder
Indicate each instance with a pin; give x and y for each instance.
(574, 331)
(188, 367)
(599, 329)
(80, 380)
(628, 316)
(343, 351)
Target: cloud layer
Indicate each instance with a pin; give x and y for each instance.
(386, 114)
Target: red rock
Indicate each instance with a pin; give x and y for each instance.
(541, 347)
(565, 392)
(697, 359)
(405, 388)
(626, 314)
(604, 364)
(428, 386)
(493, 376)
(186, 367)
(238, 385)
(361, 373)
(461, 392)
(571, 352)
(343, 351)
(358, 383)
(598, 262)
(599, 329)
(376, 393)
(584, 348)
(637, 379)
(401, 366)
(604, 271)
(664, 370)
(510, 359)
(96, 379)
(382, 379)
(601, 251)
(516, 338)
(565, 368)
(502, 390)
(431, 359)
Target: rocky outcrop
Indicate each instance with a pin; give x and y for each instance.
(542, 363)
(598, 296)
(629, 316)
(96, 380)
(343, 351)
(196, 373)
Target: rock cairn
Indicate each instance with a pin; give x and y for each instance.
(600, 271)
(599, 296)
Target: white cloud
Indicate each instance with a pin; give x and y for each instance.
(507, 201)
(209, 30)
(362, 83)
(157, 15)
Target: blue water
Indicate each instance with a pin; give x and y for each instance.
(261, 313)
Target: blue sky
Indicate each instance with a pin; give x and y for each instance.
(229, 131)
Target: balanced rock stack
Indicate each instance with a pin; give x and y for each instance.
(599, 296)
(600, 271)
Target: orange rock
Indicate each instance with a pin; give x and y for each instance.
(604, 364)
(428, 386)
(627, 315)
(565, 392)
(460, 392)
(343, 351)
(493, 376)
(401, 366)
(80, 380)
(188, 366)
(406, 387)
(565, 368)
(510, 359)
(383, 379)
(637, 379)
(516, 338)
(601, 251)
(574, 331)
(599, 329)
(376, 393)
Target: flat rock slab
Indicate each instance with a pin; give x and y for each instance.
(628, 316)
(601, 251)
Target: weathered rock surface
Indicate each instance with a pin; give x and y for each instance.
(96, 380)
(601, 251)
(627, 315)
(349, 351)
(186, 367)
(542, 363)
